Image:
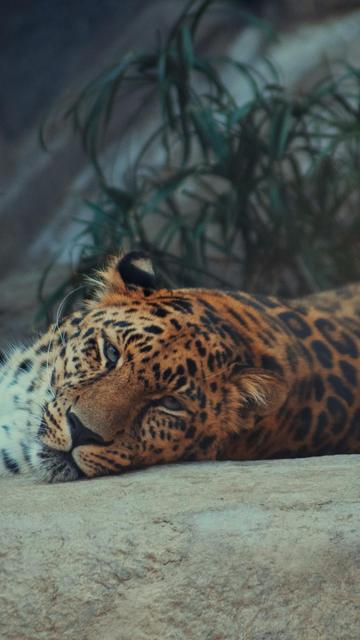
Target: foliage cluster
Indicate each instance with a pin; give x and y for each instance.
(258, 193)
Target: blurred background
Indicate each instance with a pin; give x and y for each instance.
(221, 136)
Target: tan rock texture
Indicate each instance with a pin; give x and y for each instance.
(213, 551)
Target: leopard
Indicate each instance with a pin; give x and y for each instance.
(143, 375)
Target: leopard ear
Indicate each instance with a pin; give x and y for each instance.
(136, 270)
(132, 272)
(260, 391)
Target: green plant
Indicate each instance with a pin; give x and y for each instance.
(255, 194)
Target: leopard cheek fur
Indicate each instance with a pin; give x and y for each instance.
(26, 388)
(24, 391)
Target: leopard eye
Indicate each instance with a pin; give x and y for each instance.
(110, 352)
(171, 403)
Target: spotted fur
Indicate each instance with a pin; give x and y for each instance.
(144, 376)
(24, 392)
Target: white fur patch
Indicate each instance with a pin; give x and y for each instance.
(24, 390)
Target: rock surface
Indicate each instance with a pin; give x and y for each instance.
(214, 551)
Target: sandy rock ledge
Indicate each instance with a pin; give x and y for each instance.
(214, 551)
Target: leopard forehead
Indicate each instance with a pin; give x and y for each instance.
(164, 342)
(191, 321)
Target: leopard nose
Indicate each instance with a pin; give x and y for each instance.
(80, 434)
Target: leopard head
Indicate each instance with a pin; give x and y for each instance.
(146, 376)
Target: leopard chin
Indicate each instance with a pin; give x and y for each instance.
(57, 466)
